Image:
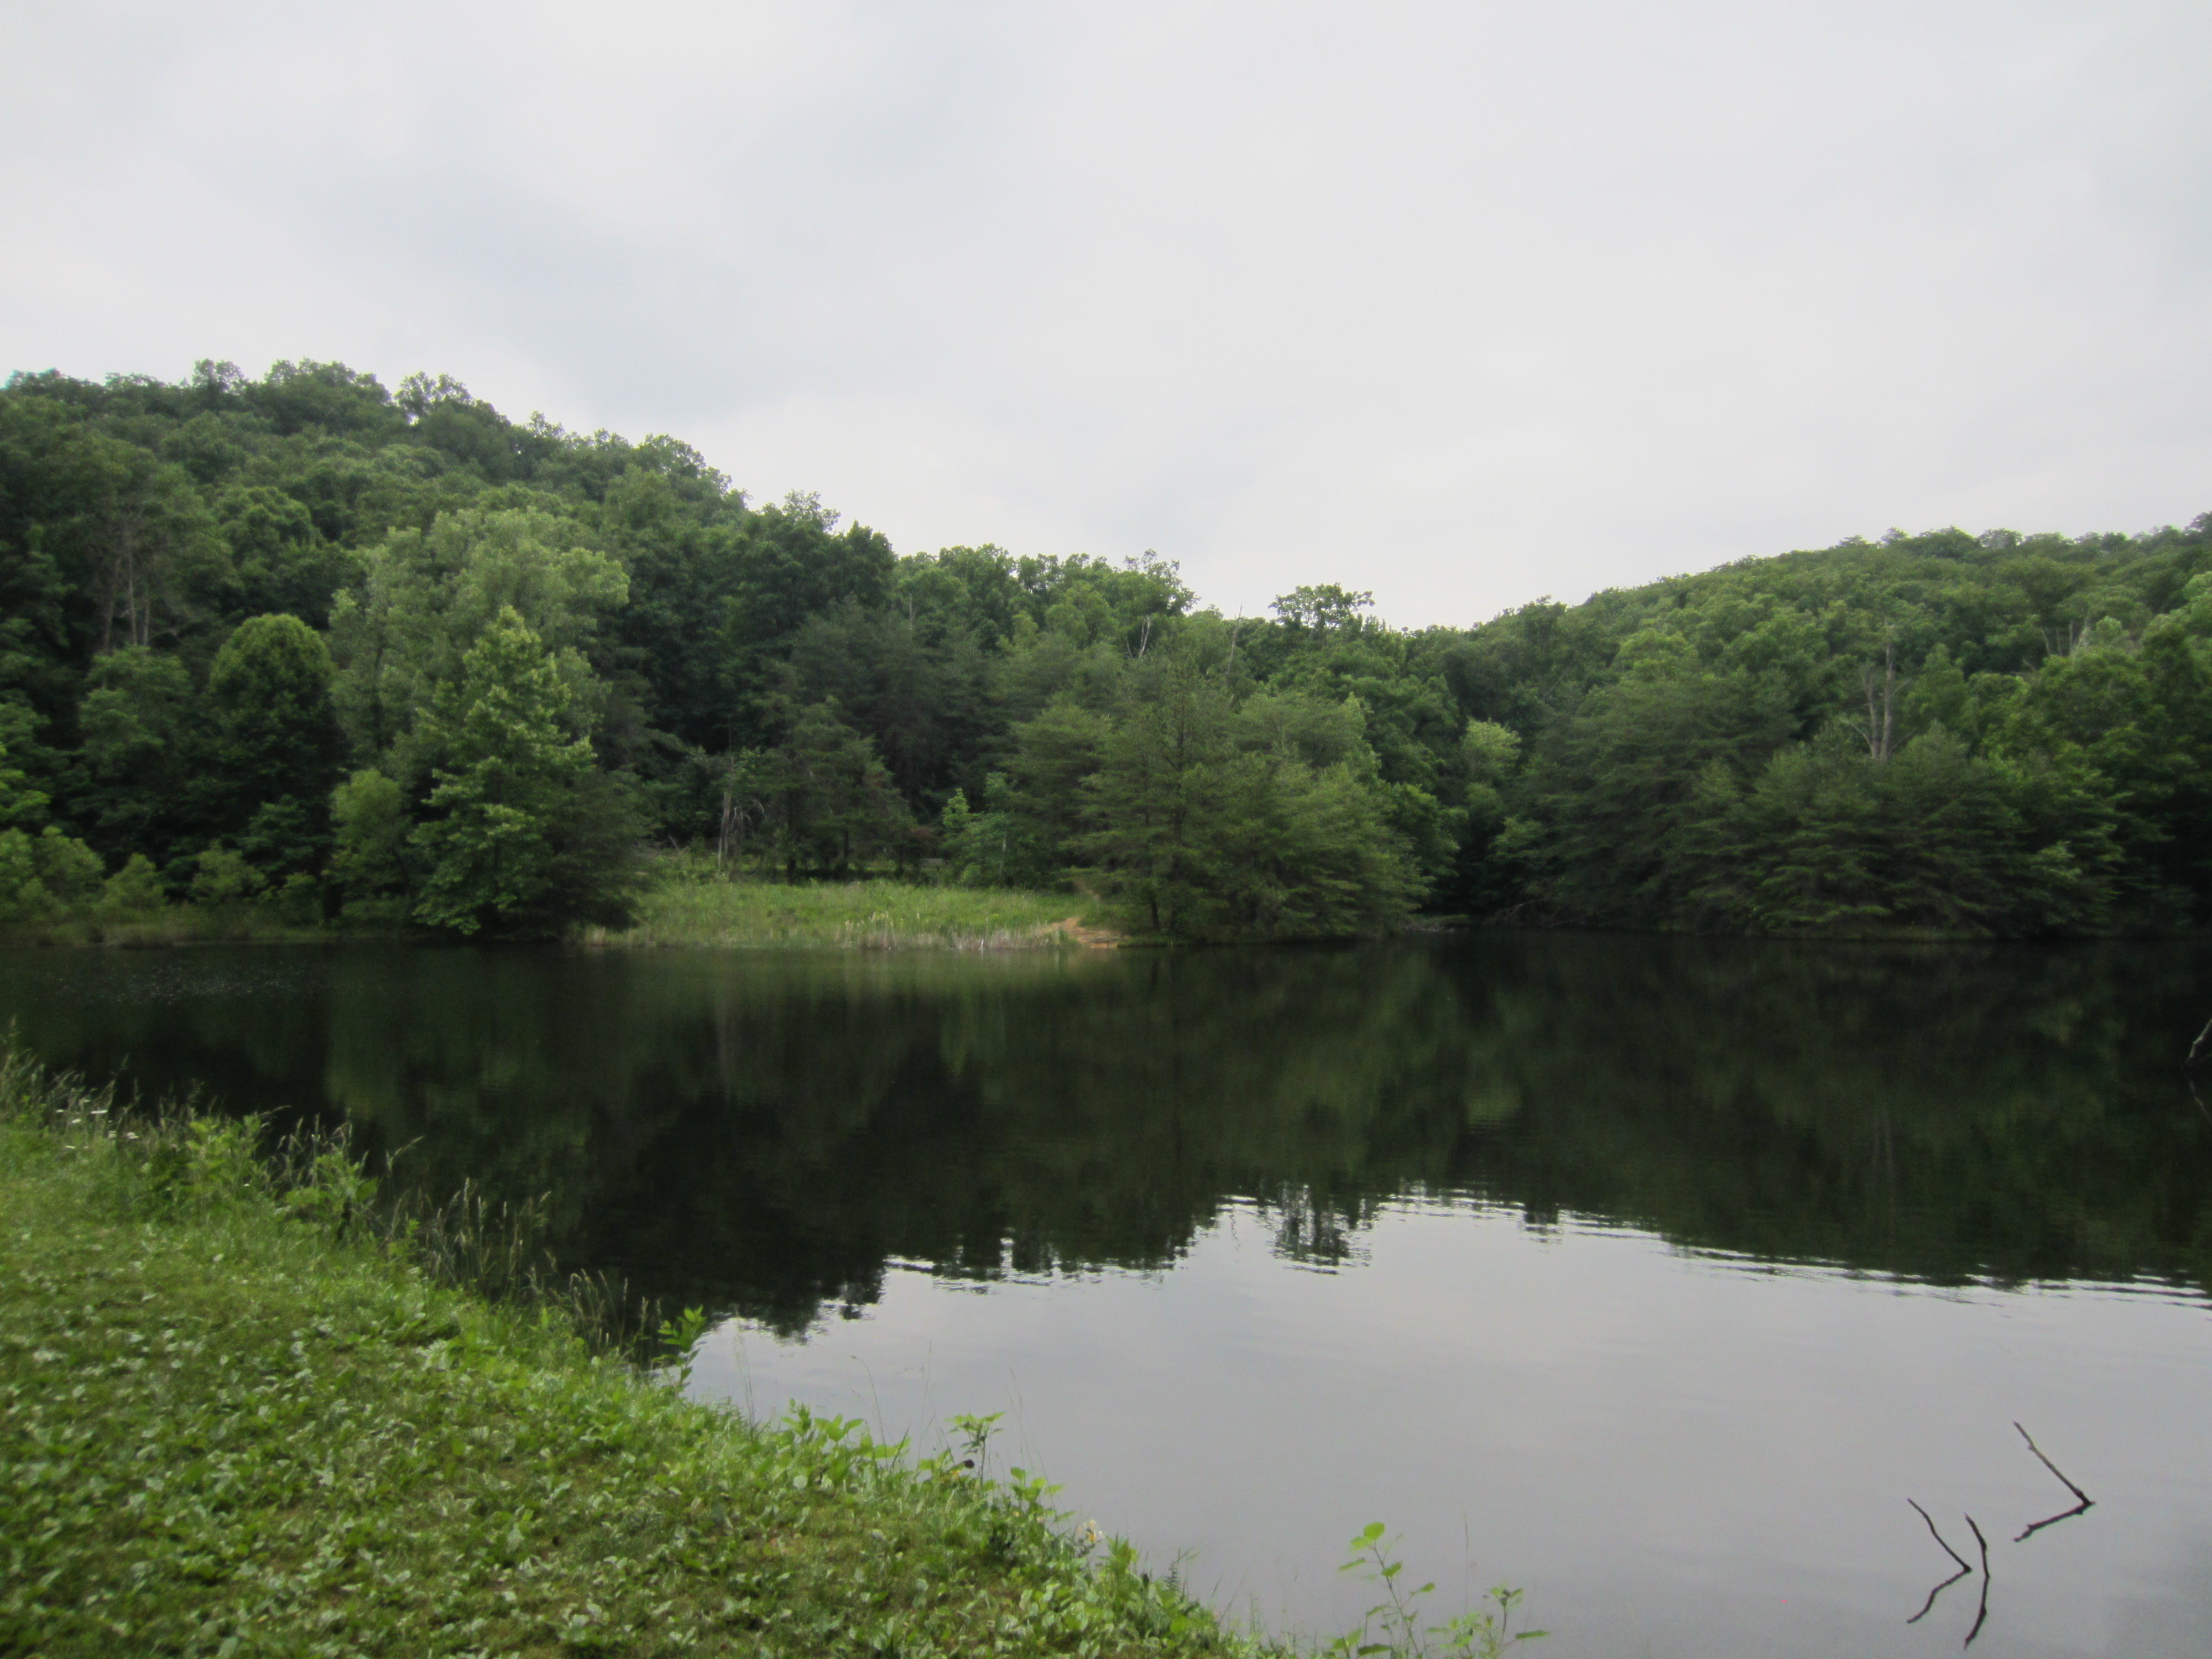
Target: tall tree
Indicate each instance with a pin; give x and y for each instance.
(517, 836)
(142, 746)
(1156, 796)
(830, 795)
(426, 596)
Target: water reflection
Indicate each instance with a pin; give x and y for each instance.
(764, 1133)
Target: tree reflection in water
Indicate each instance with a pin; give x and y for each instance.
(762, 1132)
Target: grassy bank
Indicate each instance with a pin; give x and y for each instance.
(681, 905)
(236, 1418)
(875, 914)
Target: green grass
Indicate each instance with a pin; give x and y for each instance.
(685, 903)
(239, 1416)
(874, 914)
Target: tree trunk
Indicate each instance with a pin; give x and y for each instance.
(1881, 706)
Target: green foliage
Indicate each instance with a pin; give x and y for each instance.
(426, 597)
(276, 731)
(23, 897)
(334, 1194)
(682, 1336)
(1156, 799)
(1213, 821)
(71, 871)
(19, 802)
(176, 561)
(44, 876)
(517, 836)
(368, 820)
(135, 889)
(1933, 734)
(142, 741)
(1490, 752)
(222, 879)
(1934, 838)
(299, 901)
(1002, 846)
(1324, 606)
(830, 799)
(1393, 1624)
(283, 564)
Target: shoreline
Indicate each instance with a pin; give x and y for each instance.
(691, 910)
(240, 1419)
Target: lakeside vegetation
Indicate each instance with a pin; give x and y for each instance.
(694, 906)
(239, 1417)
(682, 901)
(391, 660)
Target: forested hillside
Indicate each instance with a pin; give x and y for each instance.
(311, 645)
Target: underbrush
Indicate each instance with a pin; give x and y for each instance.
(240, 1413)
(690, 905)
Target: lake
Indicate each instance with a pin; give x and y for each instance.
(1652, 1275)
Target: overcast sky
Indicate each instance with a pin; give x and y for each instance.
(1464, 303)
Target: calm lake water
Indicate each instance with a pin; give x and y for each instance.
(1651, 1275)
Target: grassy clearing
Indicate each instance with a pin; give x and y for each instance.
(861, 915)
(235, 1420)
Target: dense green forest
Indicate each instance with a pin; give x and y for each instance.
(307, 644)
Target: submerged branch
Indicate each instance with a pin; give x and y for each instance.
(1930, 1602)
(1964, 1564)
(1983, 1613)
(2052, 1467)
(1964, 1568)
(2085, 1503)
(2035, 1527)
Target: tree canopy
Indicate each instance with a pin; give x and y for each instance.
(438, 664)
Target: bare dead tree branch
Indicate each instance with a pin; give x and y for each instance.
(2052, 1467)
(1928, 1606)
(1964, 1564)
(2081, 1506)
(1984, 1613)
(2035, 1527)
(1964, 1569)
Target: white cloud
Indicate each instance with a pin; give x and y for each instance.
(1461, 303)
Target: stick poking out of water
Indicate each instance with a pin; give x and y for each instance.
(2083, 1501)
(1964, 1564)
(1985, 1612)
(1963, 1568)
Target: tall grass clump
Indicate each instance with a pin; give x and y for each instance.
(691, 904)
(244, 1409)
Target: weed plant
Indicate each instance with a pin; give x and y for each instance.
(240, 1415)
(1397, 1625)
